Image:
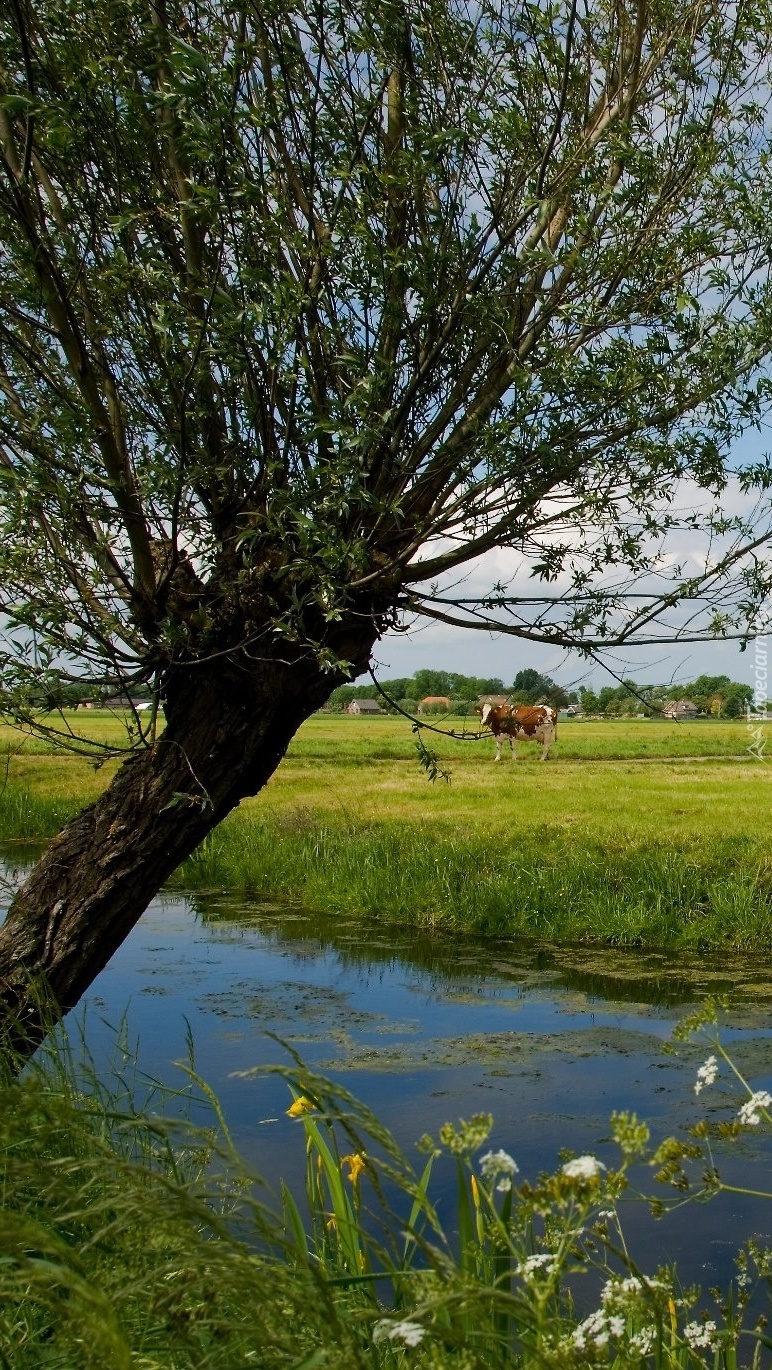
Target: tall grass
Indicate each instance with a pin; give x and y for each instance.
(130, 1238)
(32, 817)
(536, 885)
(546, 883)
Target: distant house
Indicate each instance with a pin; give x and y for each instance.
(430, 700)
(364, 706)
(491, 699)
(681, 709)
(118, 702)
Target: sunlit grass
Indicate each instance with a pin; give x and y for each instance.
(341, 738)
(662, 851)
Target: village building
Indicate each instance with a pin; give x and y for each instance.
(364, 706)
(681, 709)
(432, 701)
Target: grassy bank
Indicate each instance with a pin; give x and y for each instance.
(539, 885)
(619, 838)
(616, 839)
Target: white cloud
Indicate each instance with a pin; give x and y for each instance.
(473, 652)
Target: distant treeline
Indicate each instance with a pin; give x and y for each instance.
(463, 691)
(52, 693)
(714, 696)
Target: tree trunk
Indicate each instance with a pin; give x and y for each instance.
(227, 730)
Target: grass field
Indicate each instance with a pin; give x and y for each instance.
(634, 832)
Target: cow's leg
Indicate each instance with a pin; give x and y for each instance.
(498, 749)
(548, 736)
(512, 748)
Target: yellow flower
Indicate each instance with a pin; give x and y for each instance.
(301, 1105)
(356, 1165)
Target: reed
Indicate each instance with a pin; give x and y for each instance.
(131, 1238)
(29, 817)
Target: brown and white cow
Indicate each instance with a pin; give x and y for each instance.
(526, 722)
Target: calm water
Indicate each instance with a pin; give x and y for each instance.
(430, 1029)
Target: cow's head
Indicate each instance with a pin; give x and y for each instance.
(485, 712)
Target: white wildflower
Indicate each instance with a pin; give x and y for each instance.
(498, 1165)
(706, 1074)
(749, 1113)
(606, 1214)
(630, 1284)
(643, 1341)
(697, 1334)
(543, 1260)
(583, 1168)
(622, 1292)
(593, 1328)
(617, 1325)
(411, 1333)
(617, 1288)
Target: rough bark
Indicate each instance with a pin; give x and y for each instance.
(228, 728)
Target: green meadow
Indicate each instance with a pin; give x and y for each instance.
(634, 832)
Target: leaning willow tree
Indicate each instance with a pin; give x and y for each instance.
(306, 305)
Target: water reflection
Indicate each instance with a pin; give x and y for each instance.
(653, 978)
(427, 1028)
